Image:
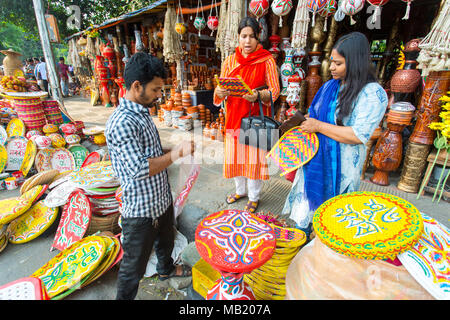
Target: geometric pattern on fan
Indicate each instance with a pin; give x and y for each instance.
(294, 149)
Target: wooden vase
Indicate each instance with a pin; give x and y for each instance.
(413, 167)
(436, 85)
(314, 82)
(388, 150)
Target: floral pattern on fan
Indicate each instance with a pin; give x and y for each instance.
(294, 149)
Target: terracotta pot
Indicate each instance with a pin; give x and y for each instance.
(314, 82)
(407, 79)
(11, 62)
(436, 85)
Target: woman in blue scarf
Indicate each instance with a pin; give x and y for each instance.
(344, 113)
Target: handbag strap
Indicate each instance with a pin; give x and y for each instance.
(261, 113)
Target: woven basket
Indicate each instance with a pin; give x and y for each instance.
(106, 223)
(268, 282)
(52, 112)
(44, 177)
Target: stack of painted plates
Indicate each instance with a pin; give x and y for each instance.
(268, 282)
(29, 288)
(52, 112)
(73, 268)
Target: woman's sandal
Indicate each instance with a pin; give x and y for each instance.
(234, 197)
(186, 271)
(251, 206)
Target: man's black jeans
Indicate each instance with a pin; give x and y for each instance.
(138, 237)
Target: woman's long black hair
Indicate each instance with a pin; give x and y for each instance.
(354, 47)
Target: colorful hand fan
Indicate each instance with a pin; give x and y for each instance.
(236, 86)
(294, 149)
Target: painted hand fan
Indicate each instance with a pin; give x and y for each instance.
(236, 86)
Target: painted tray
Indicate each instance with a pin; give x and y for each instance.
(3, 135)
(428, 261)
(94, 175)
(42, 161)
(234, 241)
(93, 157)
(294, 149)
(79, 154)
(368, 225)
(58, 196)
(32, 223)
(28, 160)
(29, 288)
(12, 208)
(34, 193)
(15, 127)
(74, 222)
(62, 160)
(3, 157)
(15, 148)
(71, 265)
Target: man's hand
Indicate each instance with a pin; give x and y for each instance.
(183, 149)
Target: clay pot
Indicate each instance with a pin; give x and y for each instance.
(407, 79)
(11, 62)
(314, 82)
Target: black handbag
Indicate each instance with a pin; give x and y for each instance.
(260, 131)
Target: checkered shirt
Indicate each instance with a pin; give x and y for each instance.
(132, 139)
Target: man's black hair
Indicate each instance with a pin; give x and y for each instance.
(61, 59)
(42, 59)
(143, 67)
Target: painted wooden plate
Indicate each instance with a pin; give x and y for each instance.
(93, 157)
(62, 160)
(12, 208)
(28, 160)
(3, 157)
(94, 175)
(428, 260)
(15, 127)
(3, 135)
(42, 161)
(32, 223)
(15, 147)
(72, 265)
(29, 288)
(75, 220)
(79, 153)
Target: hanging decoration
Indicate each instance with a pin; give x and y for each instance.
(315, 6)
(259, 8)
(435, 53)
(300, 27)
(180, 27)
(281, 8)
(327, 11)
(171, 42)
(199, 22)
(213, 21)
(350, 8)
(408, 9)
(377, 4)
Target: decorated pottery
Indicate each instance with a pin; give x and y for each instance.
(351, 7)
(313, 80)
(32, 223)
(281, 8)
(32, 133)
(199, 23)
(73, 139)
(213, 23)
(180, 28)
(42, 142)
(368, 225)
(293, 94)
(234, 242)
(258, 7)
(68, 128)
(15, 148)
(50, 128)
(70, 266)
(75, 220)
(15, 127)
(57, 140)
(287, 69)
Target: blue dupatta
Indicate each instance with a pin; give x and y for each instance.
(323, 172)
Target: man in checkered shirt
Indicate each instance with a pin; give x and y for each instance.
(140, 162)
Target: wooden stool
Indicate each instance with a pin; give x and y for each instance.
(440, 160)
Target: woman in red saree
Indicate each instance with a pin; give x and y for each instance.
(246, 164)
